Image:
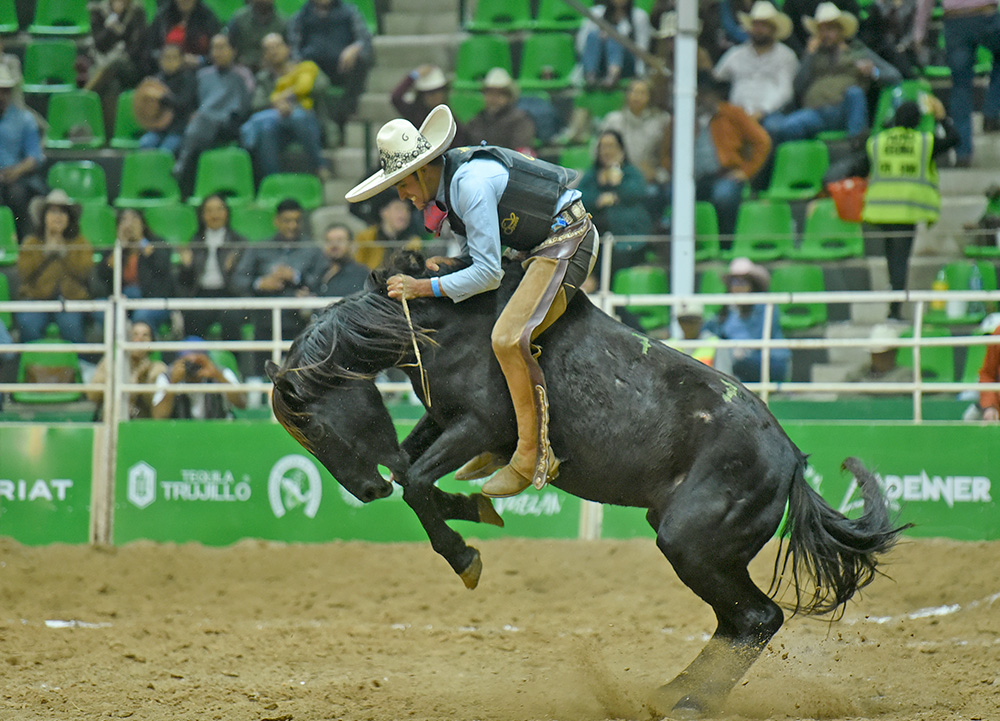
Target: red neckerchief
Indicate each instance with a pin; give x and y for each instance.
(434, 215)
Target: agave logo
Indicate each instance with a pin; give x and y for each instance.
(294, 482)
(141, 484)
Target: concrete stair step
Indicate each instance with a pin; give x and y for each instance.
(349, 162)
(410, 22)
(375, 108)
(407, 51)
(832, 372)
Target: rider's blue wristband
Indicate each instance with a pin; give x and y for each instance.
(436, 287)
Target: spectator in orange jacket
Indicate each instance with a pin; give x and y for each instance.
(729, 148)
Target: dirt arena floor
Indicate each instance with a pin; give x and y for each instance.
(566, 631)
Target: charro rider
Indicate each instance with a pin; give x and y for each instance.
(494, 197)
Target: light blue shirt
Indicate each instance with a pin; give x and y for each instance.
(476, 189)
(18, 137)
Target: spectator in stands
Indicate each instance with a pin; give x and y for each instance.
(55, 264)
(641, 127)
(881, 367)
(334, 35)
(798, 10)
(662, 84)
(833, 80)
(284, 113)
(207, 265)
(691, 320)
(730, 147)
(196, 367)
(903, 186)
(615, 192)
(419, 92)
(967, 25)
(761, 70)
(501, 122)
(604, 59)
(20, 153)
(224, 93)
(118, 31)
(746, 321)
(188, 23)
(888, 31)
(146, 268)
(164, 104)
(989, 372)
(339, 274)
(278, 268)
(248, 27)
(142, 369)
(391, 233)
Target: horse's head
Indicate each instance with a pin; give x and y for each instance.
(345, 425)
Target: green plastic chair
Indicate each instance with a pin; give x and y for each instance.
(799, 279)
(147, 180)
(304, 187)
(959, 275)
(974, 357)
(600, 102)
(547, 60)
(937, 363)
(8, 237)
(226, 171)
(225, 359)
(465, 104)
(556, 15)
(644, 279)
(224, 9)
(711, 282)
(6, 317)
(127, 131)
(48, 363)
(799, 167)
(76, 121)
(60, 17)
(890, 98)
(576, 157)
(50, 67)
(368, 12)
(288, 7)
(83, 180)
(826, 236)
(765, 231)
(706, 232)
(500, 16)
(254, 223)
(477, 55)
(175, 223)
(97, 224)
(8, 18)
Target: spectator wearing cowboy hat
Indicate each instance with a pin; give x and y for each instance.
(833, 81)
(420, 91)
(55, 264)
(494, 197)
(746, 322)
(20, 152)
(501, 122)
(761, 70)
(163, 103)
(798, 9)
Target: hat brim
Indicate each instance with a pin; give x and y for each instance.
(439, 128)
(847, 21)
(782, 24)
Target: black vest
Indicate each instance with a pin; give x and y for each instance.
(528, 203)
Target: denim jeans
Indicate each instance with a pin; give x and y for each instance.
(33, 325)
(851, 114)
(961, 36)
(164, 141)
(267, 132)
(600, 52)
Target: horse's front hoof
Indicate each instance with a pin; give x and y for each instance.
(487, 513)
(470, 576)
(688, 708)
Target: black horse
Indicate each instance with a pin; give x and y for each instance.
(634, 423)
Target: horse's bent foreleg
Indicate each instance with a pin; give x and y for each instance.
(463, 559)
(423, 435)
(473, 507)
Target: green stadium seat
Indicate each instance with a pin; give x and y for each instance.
(226, 171)
(547, 60)
(798, 279)
(959, 275)
(97, 224)
(765, 231)
(304, 187)
(799, 167)
(83, 180)
(600, 102)
(500, 16)
(368, 12)
(60, 17)
(8, 237)
(465, 104)
(826, 236)
(42, 367)
(50, 67)
(223, 9)
(974, 357)
(937, 363)
(477, 55)
(175, 223)
(706, 232)
(76, 121)
(556, 15)
(577, 157)
(6, 317)
(147, 180)
(8, 18)
(288, 7)
(127, 131)
(254, 223)
(646, 280)
(711, 281)
(891, 98)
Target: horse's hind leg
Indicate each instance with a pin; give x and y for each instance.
(709, 538)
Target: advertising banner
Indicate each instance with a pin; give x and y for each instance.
(45, 475)
(219, 482)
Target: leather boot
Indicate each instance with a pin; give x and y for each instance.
(533, 461)
(481, 466)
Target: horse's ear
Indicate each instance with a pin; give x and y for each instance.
(409, 262)
(271, 369)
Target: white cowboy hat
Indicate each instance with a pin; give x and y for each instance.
(829, 13)
(402, 149)
(764, 11)
(746, 268)
(886, 337)
(499, 79)
(690, 309)
(433, 79)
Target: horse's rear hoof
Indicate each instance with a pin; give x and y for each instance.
(487, 513)
(470, 576)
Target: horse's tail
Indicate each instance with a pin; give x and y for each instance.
(837, 554)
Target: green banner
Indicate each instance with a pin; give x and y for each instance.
(219, 482)
(45, 483)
